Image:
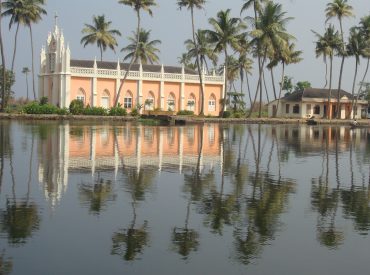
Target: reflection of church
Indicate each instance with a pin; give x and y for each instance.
(90, 149)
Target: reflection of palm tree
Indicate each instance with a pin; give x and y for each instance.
(97, 195)
(184, 239)
(127, 243)
(19, 220)
(6, 265)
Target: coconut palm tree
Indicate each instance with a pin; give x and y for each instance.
(137, 5)
(185, 60)
(339, 9)
(34, 10)
(330, 43)
(288, 55)
(146, 52)
(101, 34)
(354, 48)
(203, 48)
(227, 32)
(25, 71)
(190, 5)
(269, 34)
(2, 63)
(16, 9)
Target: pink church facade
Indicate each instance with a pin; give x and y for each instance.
(63, 79)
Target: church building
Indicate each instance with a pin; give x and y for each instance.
(152, 87)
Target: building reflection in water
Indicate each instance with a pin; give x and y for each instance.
(73, 148)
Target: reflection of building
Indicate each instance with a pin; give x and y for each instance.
(63, 79)
(314, 102)
(72, 148)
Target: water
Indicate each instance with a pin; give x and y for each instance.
(212, 199)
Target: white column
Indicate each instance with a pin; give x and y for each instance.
(118, 79)
(182, 89)
(140, 87)
(224, 87)
(161, 90)
(94, 87)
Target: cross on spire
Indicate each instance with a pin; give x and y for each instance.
(56, 18)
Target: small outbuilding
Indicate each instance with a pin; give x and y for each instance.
(313, 102)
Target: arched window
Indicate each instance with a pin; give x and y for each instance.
(127, 101)
(149, 102)
(105, 99)
(171, 106)
(191, 103)
(81, 95)
(316, 109)
(212, 103)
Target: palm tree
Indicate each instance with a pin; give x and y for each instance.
(137, 5)
(34, 12)
(2, 63)
(245, 65)
(203, 48)
(101, 34)
(269, 34)
(25, 71)
(227, 32)
(190, 5)
(329, 43)
(354, 48)
(146, 52)
(339, 9)
(18, 15)
(288, 55)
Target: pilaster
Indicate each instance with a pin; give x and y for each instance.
(94, 87)
(182, 89)
(161, 90)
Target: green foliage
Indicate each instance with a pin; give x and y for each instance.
(10, 80)
(287, 84)
(35, 108)
(227, 114)
(95, 111)
(76, 107)
(135, 112)
(117, 111)
(301, 85)
(185, 113)
(44, 100)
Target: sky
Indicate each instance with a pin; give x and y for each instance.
(173, 26)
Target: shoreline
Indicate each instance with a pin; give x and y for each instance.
(184, 119)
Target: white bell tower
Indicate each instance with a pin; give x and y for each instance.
(55, 74)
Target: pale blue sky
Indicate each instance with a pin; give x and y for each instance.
(172, 27)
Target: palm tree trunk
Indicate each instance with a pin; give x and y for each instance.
(273, 82)
(260, 66)
(326, 74)
(198, 65)
(264, 84)
(328, 111)
(341, 70)
(281, 87)
(101, 53)
(224, 99)
(249, 88)
(363, 80)
(353, 89)
(33, 64)
(27, 85)
(132, 59)
(3, 103)
(15, 46)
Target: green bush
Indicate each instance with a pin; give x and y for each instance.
(63, 111)
(134, 112)
(76, 107)
(227, 114)
(95, 111)
(36, 108)
(117, 111)
(44, 100)
(185, 113)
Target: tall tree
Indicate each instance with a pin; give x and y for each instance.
(18, 13)
(3, 90)
(190, 5)
(330, 43)
(339, 9)
(203, 48)
(227, 32)
(269, 34)
(146, 52)
(26, 71)
(34, 12)
(101, 34)
(137, 5)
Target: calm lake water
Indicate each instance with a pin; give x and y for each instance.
(210, 199)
